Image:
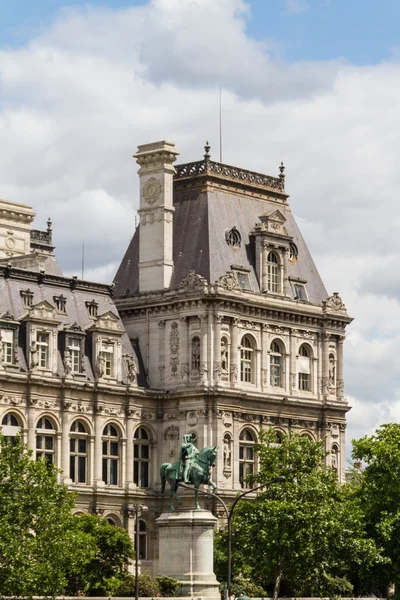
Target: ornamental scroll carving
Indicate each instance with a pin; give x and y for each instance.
(174, 349)
(335, 303)
(192, 281)
(228, 281)
(11, 400)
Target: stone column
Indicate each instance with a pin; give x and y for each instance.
(325, 363)
(203, 347)
(234, 374)
(65, 447)
(98, 453)
(129, 452)
(286, 271)
(184, 329)
(257, 380)
(264, 270)
(217, 347)
(293, 369)
(31, 428)
(264, 356)
(339, 371)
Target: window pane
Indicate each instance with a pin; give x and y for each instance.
(105, 478)
(113, 472)
(82, 445)
(48, 442)
(144, 475)
(105, 448)
(142, 546)
(136, 473)
(82, 469)
(72, 467)
(114, 448)
(136, 451)
(145, 451)
(72, 445)
(38, 441)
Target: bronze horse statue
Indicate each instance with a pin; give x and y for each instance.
(199, 473)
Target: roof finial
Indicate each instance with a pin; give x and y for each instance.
(207, 149)
(282, 174)
(49, 224)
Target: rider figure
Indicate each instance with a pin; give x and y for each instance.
(186, 454)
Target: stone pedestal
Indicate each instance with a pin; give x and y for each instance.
(186, 551)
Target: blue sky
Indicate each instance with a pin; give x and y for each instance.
(359, 31)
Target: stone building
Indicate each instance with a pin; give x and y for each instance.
(218, 324)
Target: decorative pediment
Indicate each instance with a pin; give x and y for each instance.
(192, 281)
(42, 311)
(228, 281)
(74, 328)
(274, 221)
(7, 317)
(107, 322)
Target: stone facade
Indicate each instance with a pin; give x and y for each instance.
(218, 324)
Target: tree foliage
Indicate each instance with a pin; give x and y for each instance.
(379, 493)
(39, 544)
(304, 536)
(105, 571)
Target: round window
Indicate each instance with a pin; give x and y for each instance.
(233, 238)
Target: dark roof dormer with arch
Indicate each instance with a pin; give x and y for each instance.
(210, 200)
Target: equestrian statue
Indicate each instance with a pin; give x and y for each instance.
(193, 467)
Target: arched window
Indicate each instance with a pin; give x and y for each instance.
(275, 365)
(279, 436)
(11, 427)
(78, 448)
(246, 456)
(45, 440)
(195, 362)
(304, 361)
(247, 360)
(143, 540)
(141, 458)
(110, 455)
(111, 521)
(272, 272)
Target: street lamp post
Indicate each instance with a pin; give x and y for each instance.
(137, 509)
(229, 514)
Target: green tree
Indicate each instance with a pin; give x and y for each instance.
(305, 535)
(106, 569)
(379, 493)
(39, 544)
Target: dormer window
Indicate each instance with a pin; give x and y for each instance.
(242, 275)
(60, 303)
(299, 289)
(27, 297)
(92, 307)
(75, 350)
(42, 343)
(106, 359)
(7, 346)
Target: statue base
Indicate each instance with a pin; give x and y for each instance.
(186, 551)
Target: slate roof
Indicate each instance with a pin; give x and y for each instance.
(203, 213)
(77, 293)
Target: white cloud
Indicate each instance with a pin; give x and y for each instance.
(295, 7)
(76, 101)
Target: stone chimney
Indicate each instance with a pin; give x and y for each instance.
(156, 214)
(15, 229)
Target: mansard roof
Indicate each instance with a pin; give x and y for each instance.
(210, 199)
(77, 293)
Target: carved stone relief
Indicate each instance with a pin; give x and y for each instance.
(151, 190)
(174, 349)
(191, 418)
(193, 281)
(228, 281)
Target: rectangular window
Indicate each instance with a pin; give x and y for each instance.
(304, 381)
(243, 280)
(74, 347)
(275, 371)
(7, 342)
(42, 341)
(107, 354)
(300, 293)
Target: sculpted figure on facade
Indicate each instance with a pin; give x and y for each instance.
(196, 354)
(224, 357)
(67, 362)
(227, 451)
(131, 369)
(33, 355)
(99, 366)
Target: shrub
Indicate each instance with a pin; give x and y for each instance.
(168, 585)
